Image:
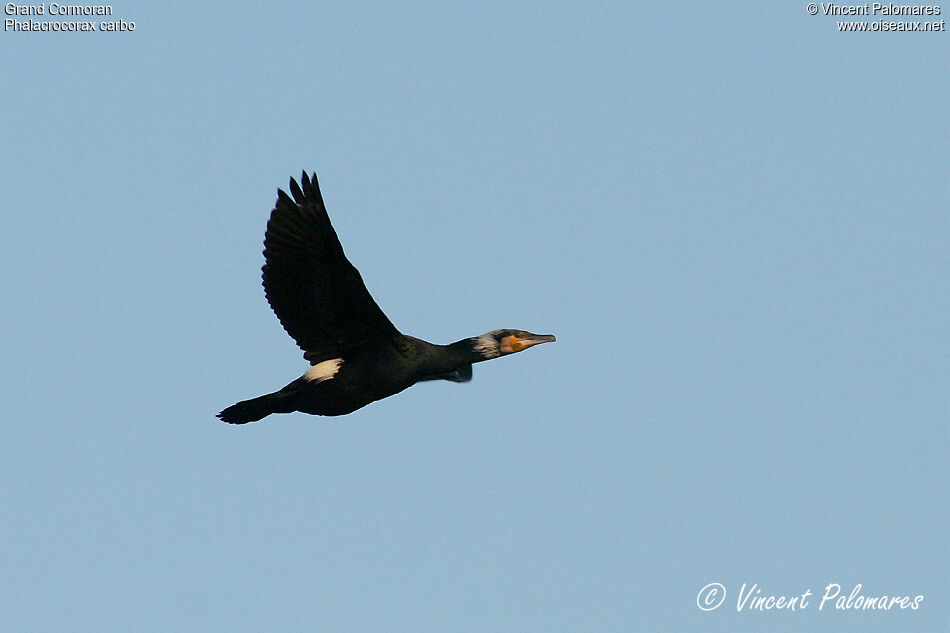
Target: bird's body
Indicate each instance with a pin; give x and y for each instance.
(357, 356)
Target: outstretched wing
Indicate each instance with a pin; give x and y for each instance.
(317, 294)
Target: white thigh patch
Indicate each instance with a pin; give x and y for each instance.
(323, 371)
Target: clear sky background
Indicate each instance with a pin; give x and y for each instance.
(734, 219)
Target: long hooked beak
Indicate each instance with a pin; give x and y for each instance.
(536, 339)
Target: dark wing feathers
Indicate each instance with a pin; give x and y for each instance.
(317, 294)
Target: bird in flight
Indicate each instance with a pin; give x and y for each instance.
(356, 354)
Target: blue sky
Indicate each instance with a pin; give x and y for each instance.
(734, 219)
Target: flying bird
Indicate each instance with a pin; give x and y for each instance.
(356, 354)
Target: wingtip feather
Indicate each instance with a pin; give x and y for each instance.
(283, 198)
(297, 193)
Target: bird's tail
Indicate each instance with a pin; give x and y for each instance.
(258, 408)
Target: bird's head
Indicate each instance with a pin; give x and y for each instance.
(500, 342)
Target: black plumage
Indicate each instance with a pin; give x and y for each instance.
(356, 354)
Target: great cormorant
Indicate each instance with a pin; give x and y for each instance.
(356, 354)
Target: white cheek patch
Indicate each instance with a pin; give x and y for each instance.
(486, 345)
(323, 371)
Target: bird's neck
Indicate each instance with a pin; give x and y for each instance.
(473, 350)
(438, 359)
